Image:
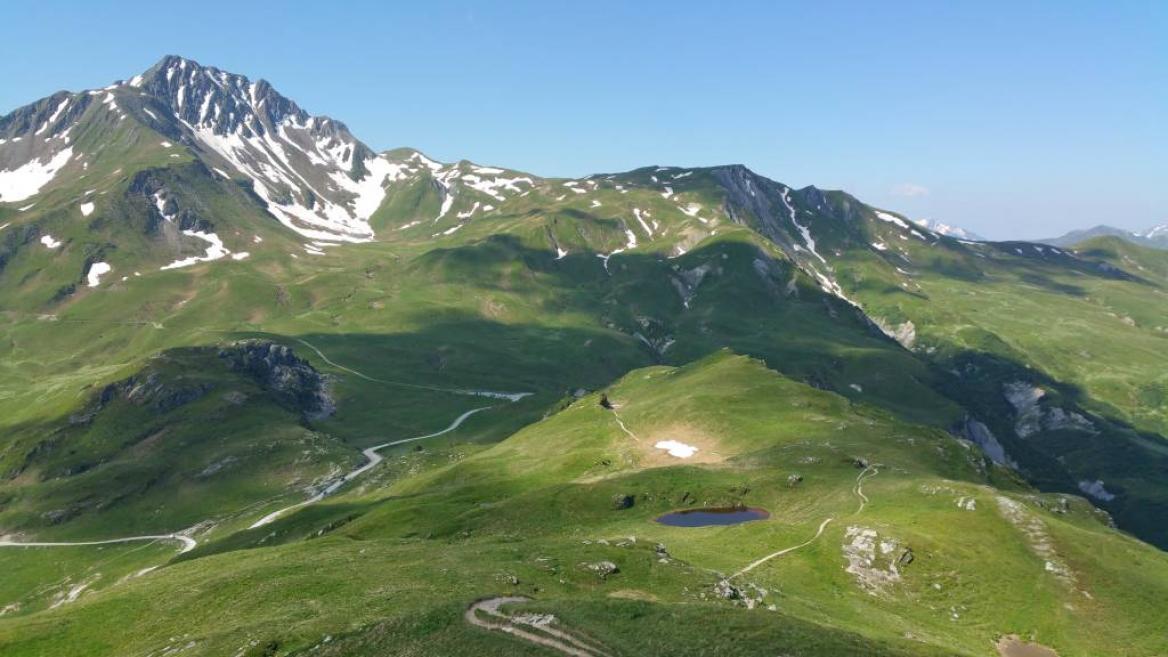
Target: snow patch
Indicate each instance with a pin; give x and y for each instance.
(27, 180)
(96, 271)
(677, 449)
(215, 250)
(641, 219)
(803, 230)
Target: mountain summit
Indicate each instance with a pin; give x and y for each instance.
(311, 173)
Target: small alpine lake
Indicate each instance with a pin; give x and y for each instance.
(713, 516)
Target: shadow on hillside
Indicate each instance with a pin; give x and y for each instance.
(1056, 459)
(636, 314)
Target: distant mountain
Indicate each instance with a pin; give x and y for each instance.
(1155, 237)
(949, 231)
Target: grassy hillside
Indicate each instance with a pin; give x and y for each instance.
(389, 568)
(955, 441)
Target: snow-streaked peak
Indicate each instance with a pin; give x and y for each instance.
(948, 230)
(1155, 232)
(36, 144)
(312, 174)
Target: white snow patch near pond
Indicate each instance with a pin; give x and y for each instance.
(86, 209)
(48, 241)
(677, 449)
(96, 271)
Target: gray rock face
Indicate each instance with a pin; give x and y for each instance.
(1096, 490)
(154, 392)
(292, 379)
(204, 108)
(980, 435)
(1024, 398)
(1032, 417)
(904, 333)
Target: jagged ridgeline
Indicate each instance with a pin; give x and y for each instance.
(268, 391)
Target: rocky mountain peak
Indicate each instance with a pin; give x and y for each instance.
(312, 174)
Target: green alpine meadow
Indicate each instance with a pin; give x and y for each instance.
(265, 391)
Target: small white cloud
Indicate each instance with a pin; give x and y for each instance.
(910, 190)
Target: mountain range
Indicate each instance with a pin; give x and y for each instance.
(1155, 237)
(270, 392)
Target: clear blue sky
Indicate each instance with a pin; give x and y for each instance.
(1013, 119)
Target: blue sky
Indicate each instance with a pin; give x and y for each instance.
(1013, 119)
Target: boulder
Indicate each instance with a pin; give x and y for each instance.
(601, 568)
(621, 501)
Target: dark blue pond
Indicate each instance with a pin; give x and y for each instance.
(711, 517)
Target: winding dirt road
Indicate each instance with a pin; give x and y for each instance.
(187, 543)
(509, 396)
(373, 458)
(371, 454)
(531, 628)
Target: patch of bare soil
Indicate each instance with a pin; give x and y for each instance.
(1012, 646)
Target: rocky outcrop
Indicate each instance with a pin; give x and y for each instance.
(1024, 398)
(1037, 537)
(623, 501)
(979, 434)
(602, 569)
(152, 390)
(1032, 417)
(686, 281)
(1096, 490)
(904, 333)
(871, 559)
(293, 381)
